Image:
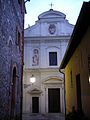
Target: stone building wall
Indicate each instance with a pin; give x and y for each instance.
(11, 58)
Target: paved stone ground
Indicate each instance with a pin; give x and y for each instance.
(49, 116)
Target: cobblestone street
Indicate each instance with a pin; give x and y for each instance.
(49, 116)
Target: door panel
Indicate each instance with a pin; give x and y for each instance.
(54, 100)
(35, 104)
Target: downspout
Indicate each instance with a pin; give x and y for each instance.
(21, 105)
(62, 71)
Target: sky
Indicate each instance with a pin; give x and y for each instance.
(71, 8)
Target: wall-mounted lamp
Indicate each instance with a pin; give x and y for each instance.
(32, 79)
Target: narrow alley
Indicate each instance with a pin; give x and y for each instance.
(44, 60)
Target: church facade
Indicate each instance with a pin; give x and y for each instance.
(44, 46)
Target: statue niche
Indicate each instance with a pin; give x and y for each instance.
(35, 57)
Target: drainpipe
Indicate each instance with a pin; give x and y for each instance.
(62, 71)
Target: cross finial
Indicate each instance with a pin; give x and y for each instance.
(51, 5)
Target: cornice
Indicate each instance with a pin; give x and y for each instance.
(49, 38)
(41, 69)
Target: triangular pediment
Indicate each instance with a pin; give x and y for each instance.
(51, 13)
(41, 28)
(34, 90)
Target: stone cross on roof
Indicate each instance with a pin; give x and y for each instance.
(51, 5)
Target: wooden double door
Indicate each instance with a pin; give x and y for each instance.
(54, 100)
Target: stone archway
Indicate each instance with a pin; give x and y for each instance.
(13, 93)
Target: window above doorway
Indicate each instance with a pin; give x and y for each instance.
(52, 58)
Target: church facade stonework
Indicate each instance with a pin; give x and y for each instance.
(44, 46)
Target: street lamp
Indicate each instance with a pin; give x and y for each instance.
(32, 79)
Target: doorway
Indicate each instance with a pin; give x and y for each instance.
(54, 100)
(35, 104)
(78, 92)
(13, 94)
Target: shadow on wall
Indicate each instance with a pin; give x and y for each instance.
(76, 115)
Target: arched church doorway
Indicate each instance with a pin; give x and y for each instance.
(13, 93)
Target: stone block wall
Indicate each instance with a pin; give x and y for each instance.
(11, 56)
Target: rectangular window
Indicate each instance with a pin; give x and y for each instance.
(52, 58)
(71, 79)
